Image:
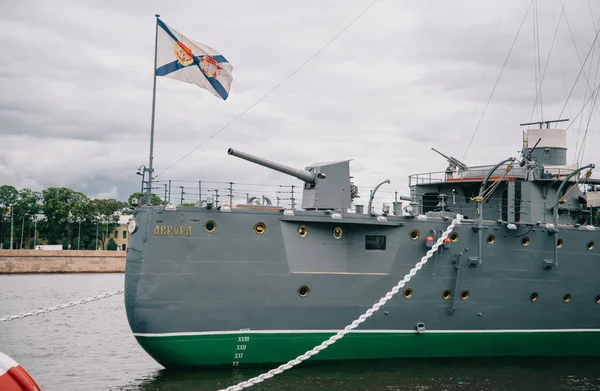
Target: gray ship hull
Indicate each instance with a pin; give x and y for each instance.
(237, 297)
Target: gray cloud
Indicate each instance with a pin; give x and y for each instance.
(76, 88)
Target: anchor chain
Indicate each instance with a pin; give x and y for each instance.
(354, 324)
(62, 306)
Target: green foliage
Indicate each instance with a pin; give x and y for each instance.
(156, 200)
(60, 215)
(112, 245)
(21, 206)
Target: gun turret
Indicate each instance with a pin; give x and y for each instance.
(453, 161)
(327, 185)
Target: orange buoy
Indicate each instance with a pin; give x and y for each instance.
(13, 377)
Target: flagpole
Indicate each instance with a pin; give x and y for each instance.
(150, 169)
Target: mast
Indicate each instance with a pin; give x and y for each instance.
(151, 158)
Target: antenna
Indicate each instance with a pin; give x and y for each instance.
(540, 123)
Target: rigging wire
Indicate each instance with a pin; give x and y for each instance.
(536, 59)
(581, 70)
(582, 108)
(484, 74)
(562, 69)
(538, 95)
(591, 113)
(497, 80)
(537, 38)
(583, 141)
(273, 89)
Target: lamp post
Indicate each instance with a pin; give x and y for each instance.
(34, 230)
(79, 233)
(22, 230)
(142, 171)
(12, 223)
(3, 207)
(106, 237)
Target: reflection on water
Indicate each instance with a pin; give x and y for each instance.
(531, 374)
(91, 347)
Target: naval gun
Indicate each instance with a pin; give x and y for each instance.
(452, 161)
(326, 185)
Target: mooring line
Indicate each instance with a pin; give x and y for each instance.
(62, 306)
(290, 364)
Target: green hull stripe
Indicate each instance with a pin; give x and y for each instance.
(243, 349)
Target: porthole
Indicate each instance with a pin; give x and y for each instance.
(525, 241)
(303, 291)
(591, 245)
(567, 298)
(260, 228)
(559, 243)
(534, 296)
(210, 226)
(465, 295)
(447, 294)
(598, 299)
(408, 293)
(454, 237)
(302, 230)
(338, 232)
(491, 239)
(414, 234)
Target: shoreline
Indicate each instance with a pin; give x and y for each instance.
(61, 261)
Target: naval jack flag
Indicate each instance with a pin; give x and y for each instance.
(181, 58)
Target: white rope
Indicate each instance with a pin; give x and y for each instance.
(353, 325)
(62, 306)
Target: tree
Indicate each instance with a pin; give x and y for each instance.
(61, 207)
(27, 208)
(112, 245)
(156, 200)
(20, 206)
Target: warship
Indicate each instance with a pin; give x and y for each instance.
(220, 284)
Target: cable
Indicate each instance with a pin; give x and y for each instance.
(273, 89)
(582, 65)
(498, 79)
(485, 72)
(538, 93)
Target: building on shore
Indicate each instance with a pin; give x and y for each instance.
(120, 234)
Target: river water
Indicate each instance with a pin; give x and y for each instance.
(90, 347)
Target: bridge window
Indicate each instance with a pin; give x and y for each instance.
(375, 242)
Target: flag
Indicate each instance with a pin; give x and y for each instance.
(181, 58)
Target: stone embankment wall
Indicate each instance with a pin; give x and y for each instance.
(66, 261)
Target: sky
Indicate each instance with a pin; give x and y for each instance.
(405, 76)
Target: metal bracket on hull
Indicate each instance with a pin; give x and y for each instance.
(456, 262)
(473, 261)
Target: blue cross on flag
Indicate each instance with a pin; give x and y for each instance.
(180, 58)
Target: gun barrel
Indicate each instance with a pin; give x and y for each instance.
(435, 150)
(303, 175)
(452, 160)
